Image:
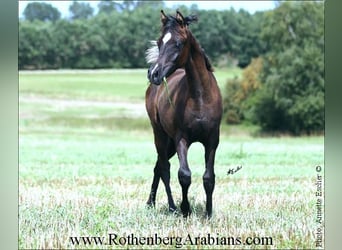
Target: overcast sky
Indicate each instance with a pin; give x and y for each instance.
(250, 6)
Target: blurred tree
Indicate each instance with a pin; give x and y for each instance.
(41, 11)
(229, 34)
(293, 69)
(37, 46)
(247, 43)
(80, 10)
(108, 6)
(211, 33)
(124, 32)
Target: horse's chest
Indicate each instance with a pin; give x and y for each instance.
(194, 119)
(199, 121)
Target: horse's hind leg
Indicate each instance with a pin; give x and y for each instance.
(165, 148)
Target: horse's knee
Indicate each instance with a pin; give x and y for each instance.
(163, 170)
(184, 177)
(209, 182)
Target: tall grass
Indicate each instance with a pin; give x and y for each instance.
(86, 164)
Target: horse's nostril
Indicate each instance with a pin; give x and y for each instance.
(155, 76)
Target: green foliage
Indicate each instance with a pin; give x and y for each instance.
(41, 11)
(80, 10)
(37, 50)
(292, 97)
(247, 44)
(238, 92)
(119, 35)
(232, 101)
(108, 6)
(229, 34)
(286, 92)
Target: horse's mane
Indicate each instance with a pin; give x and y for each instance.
(207, 62)
(152, 53)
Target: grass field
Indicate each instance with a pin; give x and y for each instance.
(86, 158)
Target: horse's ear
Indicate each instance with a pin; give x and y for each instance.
(163, 17)
(180, 18)
(190, 19)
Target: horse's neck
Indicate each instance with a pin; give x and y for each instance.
(199, 78)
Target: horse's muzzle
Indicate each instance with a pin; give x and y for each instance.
(156, 73)
(153, 75)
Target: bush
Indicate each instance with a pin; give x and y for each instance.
(238, 92)
(231, 101)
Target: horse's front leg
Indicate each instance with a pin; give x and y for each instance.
(161, 171)
(151, 202)
(165, 176)
(166, 150)
(184, 175)
(209, 176)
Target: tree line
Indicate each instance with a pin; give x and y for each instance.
(118, 35)
(281, 52)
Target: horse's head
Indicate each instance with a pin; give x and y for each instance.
(173, 47)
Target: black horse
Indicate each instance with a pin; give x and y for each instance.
(188, 110)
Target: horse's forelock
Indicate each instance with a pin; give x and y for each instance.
(152, 53)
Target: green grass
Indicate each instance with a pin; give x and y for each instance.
(86, 161)
(96, 85)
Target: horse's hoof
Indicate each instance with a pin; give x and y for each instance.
(173, 210)
(187, 213)
(207, 216)
(150, 204)
(185, 207)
